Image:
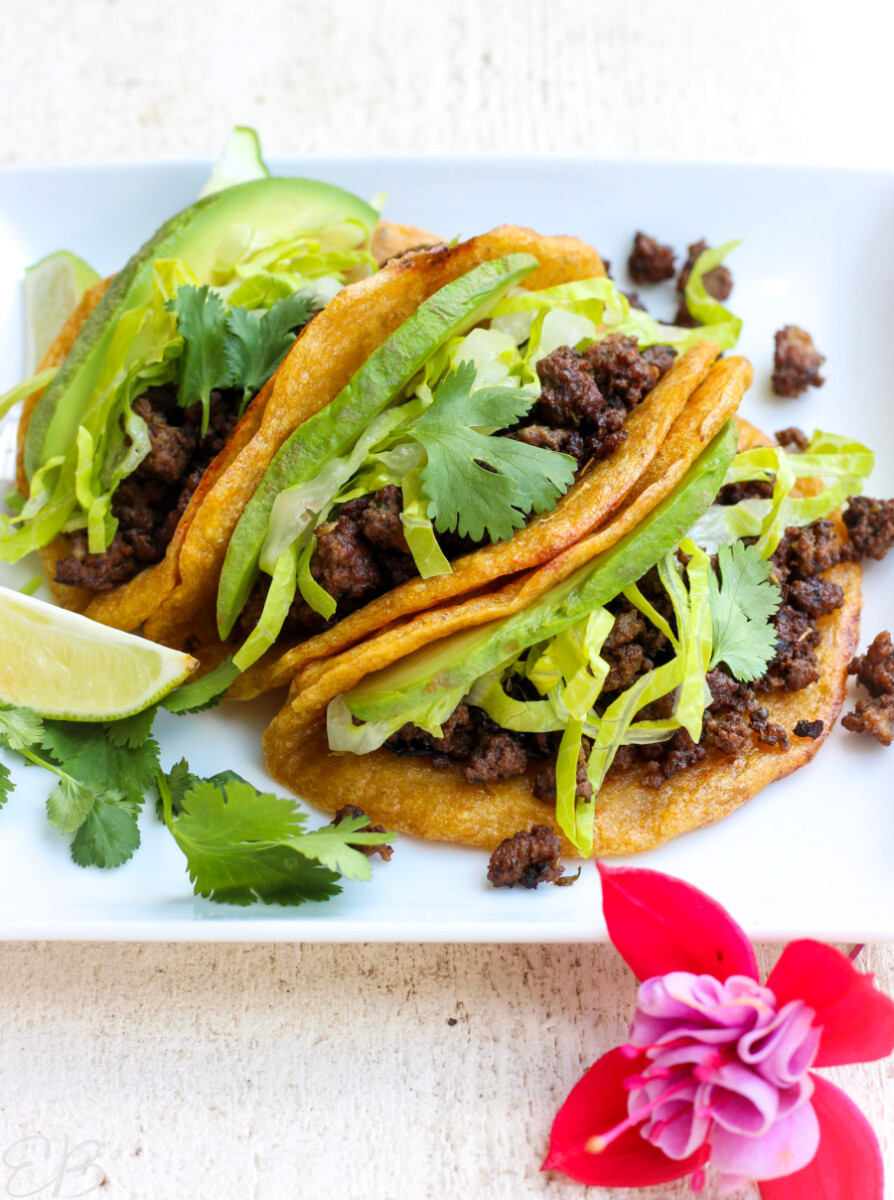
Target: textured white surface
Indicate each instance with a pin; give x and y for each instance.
(269, 1072)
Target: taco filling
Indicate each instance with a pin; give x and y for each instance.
(655, 656)
(166, 364)
(580, 412)
(485, 430)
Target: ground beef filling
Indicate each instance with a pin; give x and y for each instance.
(584, 402)
(796, 362)
(875, 672)
(151, 501)
(736, 717)
(527, 858)
(650, 261)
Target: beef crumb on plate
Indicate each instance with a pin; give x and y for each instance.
(796, 362)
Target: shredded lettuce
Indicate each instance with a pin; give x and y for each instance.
(842, 462)
(34, 383)
(598, 309)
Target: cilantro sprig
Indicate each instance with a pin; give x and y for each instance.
(240, 844)
(102, 770)
(232, 347)
(476, 483)
(243, 845)
(743, 604)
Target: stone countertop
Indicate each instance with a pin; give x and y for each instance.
(377, 1072)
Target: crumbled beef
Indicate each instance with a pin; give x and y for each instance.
(735, 717)
(724, 689)
(633, 299)
(344, 563)
(875, 669)
(874, 717)
(623, 651)
(173, 446)
(718, 281)
(803, 552)
(563, 441)
(498, 755)
(569, 396)
(796, 362)
(669, 758)
(592, 393)
(809, 729)
(661, 357)
(816, 596)
(526, 858)
(794, 666)
(545, 783)
(150, 502)
(484, 750)
(351, 810)
(622, 374)
(380, 522)
(870, 524)
(650, 261)
(749, 489)
(792, 437)
(684, 318)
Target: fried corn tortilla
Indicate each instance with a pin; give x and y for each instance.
(333, 347)
(411, 796)
(129, 605)
(707, 411)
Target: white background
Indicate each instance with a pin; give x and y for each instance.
(283, 1071)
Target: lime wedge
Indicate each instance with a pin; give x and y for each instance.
(60, 664)
(240, 162)
(53, 288)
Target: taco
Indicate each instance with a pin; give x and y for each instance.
(164, 372)
(645, 682)
(470, 413)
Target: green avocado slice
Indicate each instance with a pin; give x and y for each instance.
(452, 665)
(275, 207)
(331, 432)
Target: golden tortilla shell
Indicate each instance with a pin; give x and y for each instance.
(411, 796)
(129, 605)
(707, 411)
(331, 350)
(585, 507)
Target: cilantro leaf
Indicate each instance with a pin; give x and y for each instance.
(206, 692)
(474, 482)
(6, 785)
(109, 834)
(333, 846)
(131, 732)
(179, 779)
(69, 803)
(237, 843)
(258, 342)
(743, 603)
(201, 321)
(86, 752)
(19, 727)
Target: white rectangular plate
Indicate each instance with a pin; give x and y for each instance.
(812, 854)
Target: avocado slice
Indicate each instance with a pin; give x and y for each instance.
(331, 432)
(277, 208)
(454, 664)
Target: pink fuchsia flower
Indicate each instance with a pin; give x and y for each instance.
(716, 1070)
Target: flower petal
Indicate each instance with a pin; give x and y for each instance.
(785, 1147)
(856, 1018)
(660, 924)
(595, 1105)
(848, 1161)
